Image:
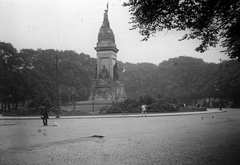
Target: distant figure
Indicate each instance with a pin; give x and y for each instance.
(125, 108)
(144, 110)
(44, 114)
(211, 105)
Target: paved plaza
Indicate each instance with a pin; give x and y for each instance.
(211, 138)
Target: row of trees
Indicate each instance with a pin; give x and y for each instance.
(210, 21)
(30, 75)
(184, 78)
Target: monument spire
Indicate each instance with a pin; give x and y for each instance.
(107, 7)
(105, 33)
(106, 23)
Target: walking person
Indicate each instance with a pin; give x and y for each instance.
(144, 110)
(211, 105)
(44, 114)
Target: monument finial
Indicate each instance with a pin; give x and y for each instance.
(106, 11)
(105, 20)
(105, 32)
(107, 7)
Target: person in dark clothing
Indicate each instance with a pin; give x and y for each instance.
(44, 114)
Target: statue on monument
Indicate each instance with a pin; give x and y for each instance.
(105, 20)
(104, 73)
(115, 72)
(96, 72)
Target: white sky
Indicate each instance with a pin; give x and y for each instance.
(74, 25)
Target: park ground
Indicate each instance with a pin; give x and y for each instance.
(204, 138)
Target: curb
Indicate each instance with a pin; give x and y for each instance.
(115, 116)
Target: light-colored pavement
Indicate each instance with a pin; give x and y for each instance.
(124, 115)
(209, 138)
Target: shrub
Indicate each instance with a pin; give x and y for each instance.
(134, 106)
(31, 104)
(31, 111)
(21, 111)
(74, 113)
(103, 110)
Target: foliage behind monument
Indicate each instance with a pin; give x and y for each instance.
(30, 75)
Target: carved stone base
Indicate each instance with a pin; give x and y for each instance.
(103, 90)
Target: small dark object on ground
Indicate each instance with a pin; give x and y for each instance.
(97, 136)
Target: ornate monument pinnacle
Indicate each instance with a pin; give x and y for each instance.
(105, 32)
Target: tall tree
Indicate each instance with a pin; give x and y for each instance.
(210, 21)
(10, 65)
(138, 79)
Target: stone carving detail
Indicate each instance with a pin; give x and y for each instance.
(101, 91)
(106, 35)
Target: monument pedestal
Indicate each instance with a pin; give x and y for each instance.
(105, 90)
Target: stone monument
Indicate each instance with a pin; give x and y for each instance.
(106, 85)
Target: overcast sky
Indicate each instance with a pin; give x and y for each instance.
(74, 25)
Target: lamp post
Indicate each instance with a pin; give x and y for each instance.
(57, 116)
(9, 102)
(69, 95)
(220, 86)
(73, 100)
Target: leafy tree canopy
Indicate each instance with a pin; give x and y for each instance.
(30, 75)
(211, 21)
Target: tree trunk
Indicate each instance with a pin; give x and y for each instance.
(8, 105)
(2, 106)
(5, 106)
(17, 106)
